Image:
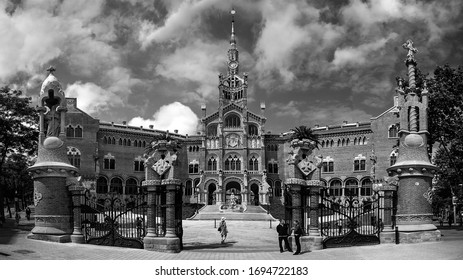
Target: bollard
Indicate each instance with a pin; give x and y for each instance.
(397, 235)
(215, 223)
(270, 222)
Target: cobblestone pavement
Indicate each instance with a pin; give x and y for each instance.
(247, 240)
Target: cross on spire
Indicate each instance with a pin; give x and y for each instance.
(51, 69)
(411, 50)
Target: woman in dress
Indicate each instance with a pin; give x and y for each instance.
(223, 229)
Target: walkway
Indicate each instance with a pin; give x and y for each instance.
(248, 240)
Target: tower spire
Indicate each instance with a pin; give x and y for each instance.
(232, 36)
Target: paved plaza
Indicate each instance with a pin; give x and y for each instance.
(247, 240)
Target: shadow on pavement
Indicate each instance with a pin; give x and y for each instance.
(199, 246)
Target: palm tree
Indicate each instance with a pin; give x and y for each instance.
(303, 132)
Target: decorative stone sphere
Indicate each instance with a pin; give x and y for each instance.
(52, 143)
(414, 140)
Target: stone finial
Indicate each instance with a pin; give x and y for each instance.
(411, 50)
(51, 69)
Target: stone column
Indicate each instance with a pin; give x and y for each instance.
(388, 234)
(171, 187)
(53, 204)
(152, 189)
(77, 193)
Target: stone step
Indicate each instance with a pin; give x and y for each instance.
(251, 213)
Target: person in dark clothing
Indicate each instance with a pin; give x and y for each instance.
(282, 230)
(297, 230)
(28, 213)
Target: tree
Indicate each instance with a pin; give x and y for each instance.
(18, 130)
(445, 119)
(304, 132)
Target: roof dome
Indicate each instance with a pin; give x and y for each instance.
(50, 82)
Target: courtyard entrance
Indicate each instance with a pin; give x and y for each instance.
(233, 193)
(351, 220)
(115, 220)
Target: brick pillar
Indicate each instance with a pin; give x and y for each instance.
(295, 191)
(170, 211)
(77, 192)
(152, 188)
(314, 186)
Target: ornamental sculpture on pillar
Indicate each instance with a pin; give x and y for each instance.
(413, 167)
(163, 171)
(52, 171)
(303, 185)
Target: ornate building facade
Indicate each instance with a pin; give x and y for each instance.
(232, 155)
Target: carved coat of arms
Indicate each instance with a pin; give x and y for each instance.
(306, 166)
(161, 166)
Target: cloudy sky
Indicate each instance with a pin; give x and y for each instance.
(156, 61)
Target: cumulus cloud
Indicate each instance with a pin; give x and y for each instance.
(174, 116)
(182, 19)
(93, 99)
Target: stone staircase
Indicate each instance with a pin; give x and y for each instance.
(251, 213)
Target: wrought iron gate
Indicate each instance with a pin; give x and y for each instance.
(351, 220)
(114, 220)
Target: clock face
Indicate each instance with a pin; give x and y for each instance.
(233, 64)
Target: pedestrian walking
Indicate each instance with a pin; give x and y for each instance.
(28, 213)
(223, 230)
(441, 221)
(282, 230)
(297, 231)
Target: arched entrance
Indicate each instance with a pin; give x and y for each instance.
(255, 194)
(210, 194)
(233, 191)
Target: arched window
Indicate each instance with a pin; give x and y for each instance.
(359, 163)
(116, 185)
(188, 187)
(105, 140)
(339, 142)
(69, 131)
(212, 130)
(125, 142)
(253, 164)
(74, 156)
(278, 188)
(328, 165)
(212, 163)
(101, 185)
(109, 162)
(393, 131)
(78, 132)
(193, 167)
(352, 188)
(252, 130)
(336, 188)
(272, 167)
(129, 143)
(114, 141)
(131, 186)
(139, 164)
(232, 121)
(233, 163)
(366, 189)
(120, 141)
